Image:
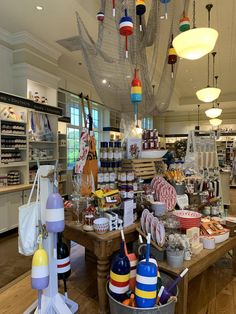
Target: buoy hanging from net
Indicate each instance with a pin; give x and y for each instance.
(126, 29)
(184, 23)
(172, 57)
(140, 10)
(136, 94)
(165, 3)
(100, 16)
(113, 7)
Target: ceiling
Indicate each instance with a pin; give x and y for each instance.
(57, 21)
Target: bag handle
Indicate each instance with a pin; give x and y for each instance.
(33, 187)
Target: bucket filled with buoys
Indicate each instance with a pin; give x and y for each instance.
(168, 308)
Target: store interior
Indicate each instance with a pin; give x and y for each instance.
(117, 156)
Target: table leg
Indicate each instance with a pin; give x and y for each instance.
(234, 261)
(103, 265)
(182, 304)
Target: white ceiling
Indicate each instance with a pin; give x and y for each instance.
(57, 21)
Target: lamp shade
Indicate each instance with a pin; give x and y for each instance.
(195, 43)
(208, 94)
(213, 112)
(215, 122)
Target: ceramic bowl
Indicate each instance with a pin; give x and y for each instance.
(158, 208)
(101, 225)
(188, 218)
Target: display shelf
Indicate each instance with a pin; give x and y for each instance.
(15, 188)
(42, 142)
(14, 148)
(11, 121)
(62, 153)
(13, 164)
(13, 135)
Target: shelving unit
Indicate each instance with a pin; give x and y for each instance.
(62, 153)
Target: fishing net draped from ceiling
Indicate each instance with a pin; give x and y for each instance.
(105, 57)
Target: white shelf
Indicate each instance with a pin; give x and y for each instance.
(11, 134)
(13, 164)
(14, 148)
(42, 160)
(42, 142)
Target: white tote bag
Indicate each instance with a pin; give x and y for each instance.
(29, 215)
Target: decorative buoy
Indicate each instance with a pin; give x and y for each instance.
(133, 264)
(146, 281)
(100, 16)
(40, 271)
(119, 276)
(55, 213)
(165, 3)
(63, 262)
(126, 29)
(184, 23)
(113, 7)
(172, 57)
(136, 93)
(140, 10)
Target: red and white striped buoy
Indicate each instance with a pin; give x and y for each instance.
(126, 29)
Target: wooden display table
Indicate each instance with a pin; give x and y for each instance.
(196, 266)
(103, 246)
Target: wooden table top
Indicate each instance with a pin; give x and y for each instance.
(71, 225)
(201, 261)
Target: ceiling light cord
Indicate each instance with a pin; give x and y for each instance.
(209, 7)
(208, 70)
(213, 71)
(194, 15)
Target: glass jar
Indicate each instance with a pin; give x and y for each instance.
(123, 177)
(105, 150)
(106, 177)
(110, 154)
(88, 221)
(130, 176)
(112, 177)
(151, 134)
(100, 177)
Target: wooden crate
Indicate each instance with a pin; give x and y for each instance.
(143, 168)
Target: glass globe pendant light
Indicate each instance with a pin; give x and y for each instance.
(215, 122)
(209, 94)
(196, 42)
(213, 112)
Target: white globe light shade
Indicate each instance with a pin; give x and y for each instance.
(195, 43)
(213, 112)
(208, 94)
(215, 122)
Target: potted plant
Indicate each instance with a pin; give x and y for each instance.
(175, 250)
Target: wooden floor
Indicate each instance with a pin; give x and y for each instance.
(213, 292)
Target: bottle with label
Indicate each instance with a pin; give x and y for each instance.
(105, 150)
(101, 150)
(116, 152)
(110, 153)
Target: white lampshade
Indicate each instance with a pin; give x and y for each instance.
(213, 112)
(215, 122)
(195, 43)
(208, 94)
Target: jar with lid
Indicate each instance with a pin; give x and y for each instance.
(119, 166)
(144, 135)
(130, 176)
(151, 132)
(112, 176)
(101, 150)
(116, 152)
(151, 144)
(123, 176)
(110, 153)
(145, 145)
(88, 221)
(105, 150)
(100, 177)
(106, 177)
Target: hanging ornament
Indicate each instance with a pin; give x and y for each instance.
(165, 3)
(136, 94)
(126, 29)
(113, 7)
(40, 271)
(120, 275)
(63, 262)
(184, 23)
(172, 58)
(100, 16)
(140, 10)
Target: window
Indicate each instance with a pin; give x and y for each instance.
(147, 123)
(77, 123)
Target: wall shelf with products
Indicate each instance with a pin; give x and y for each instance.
(62, 166)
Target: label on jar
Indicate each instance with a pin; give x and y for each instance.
(123, 194)
(130, 176)
(106, 177)
(123, 177)
(117, 155)
(110, 155)
(100, 177)
(135, 186)
(130, 194)
(104, 155)
(112, 176)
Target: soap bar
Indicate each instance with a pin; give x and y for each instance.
(196, 249)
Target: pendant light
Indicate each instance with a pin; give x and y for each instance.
(214, 112)
(215, 122)
(209, 94)
(196, 42)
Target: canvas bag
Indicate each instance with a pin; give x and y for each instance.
(29, 215)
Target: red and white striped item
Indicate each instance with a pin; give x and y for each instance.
(167, 195)
(188, 218)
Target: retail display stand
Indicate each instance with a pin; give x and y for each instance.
(52, 301)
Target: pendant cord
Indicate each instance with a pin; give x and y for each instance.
(194, 13)
(208, 70)
(213, 72)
